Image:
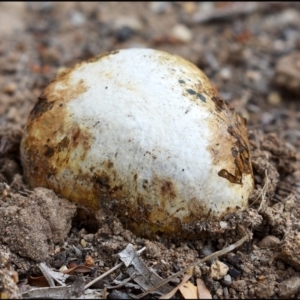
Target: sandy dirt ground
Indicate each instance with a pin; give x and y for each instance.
(250, 52)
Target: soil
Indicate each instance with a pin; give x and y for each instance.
(252, 56)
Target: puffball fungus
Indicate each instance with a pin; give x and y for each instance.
(144, 134)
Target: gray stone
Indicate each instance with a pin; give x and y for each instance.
(269, 241)
(227, 280)
(289, 287)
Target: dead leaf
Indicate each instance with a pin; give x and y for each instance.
(78, 269)
(189, 291)
(72, 265)
(140, 273)
(60, 292)
(89, 261)
(203, 291)
(52, 276)
(185, 278)
(39, 281)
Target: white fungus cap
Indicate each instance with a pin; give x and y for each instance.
(144, 134)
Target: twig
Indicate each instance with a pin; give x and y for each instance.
(209, 257)
(46, 274)
(185, 278)
(121, 283)
(230, 11)
(109, 271)
(264, 191)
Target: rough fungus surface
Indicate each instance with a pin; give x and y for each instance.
(250, 55)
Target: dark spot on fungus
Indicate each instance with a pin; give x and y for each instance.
(232, 178)
(145, 184)
(40, 108)
(234, 152)
(191, 92)
(181, 81)
(201, 97)
(241, 158)
(167, 189)
(102, 181)
(63, 144)
(76, 134)
(219, 103)
(49, 151)
(110, 164)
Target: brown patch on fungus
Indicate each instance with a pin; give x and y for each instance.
(100, 56)
(167, 189)
(220, 103)
(238, 159)
(41, 106)
(49, 151)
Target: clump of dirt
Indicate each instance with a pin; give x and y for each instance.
(8, 279)
(33, 223)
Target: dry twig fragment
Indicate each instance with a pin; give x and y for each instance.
(203, 292)
(185, 278)
(189, 291)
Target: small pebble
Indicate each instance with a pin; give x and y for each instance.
(219, 293)
(159, 7)
(182, 33)
(10, 88)
(234, 273)
(77, 18)
(233, 259)
(226, 74)
(289, 203)
(83, 243)
(197, 272)
(63, 268)
(274, 98)
(13, 115)
(226, 293)
(207, 250)
(289, 287)
(206, 6)
(239, 285)
(269, 241)
(124, 33)
(189, 7)
(232, 291)
(89, 237)
(280, 265)
(223, 224)
(253, 76)
(267, 118)
(227, 280)
(130, 22)
(288, 17)
(290, 250)
(218, 270)
(43, 6)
